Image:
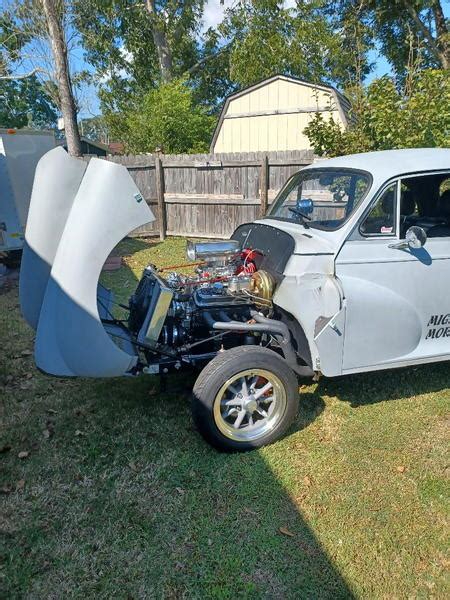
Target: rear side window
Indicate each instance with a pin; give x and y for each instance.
(382, 218)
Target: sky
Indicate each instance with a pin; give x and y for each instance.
(213, 13)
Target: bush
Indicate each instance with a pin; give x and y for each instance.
(164, 119)
(387, 117)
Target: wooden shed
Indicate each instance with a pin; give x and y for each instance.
(272, 114)
(88, 147)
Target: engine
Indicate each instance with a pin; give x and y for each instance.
(172, 312)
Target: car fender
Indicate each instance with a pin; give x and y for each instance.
(86, 221)
(313, 299)
(56, 182)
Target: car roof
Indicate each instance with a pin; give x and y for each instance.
(385, 164)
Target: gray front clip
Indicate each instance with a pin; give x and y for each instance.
(70, 338)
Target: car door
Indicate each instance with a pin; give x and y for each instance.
(397, 300)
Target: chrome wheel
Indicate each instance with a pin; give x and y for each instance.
(249, 405)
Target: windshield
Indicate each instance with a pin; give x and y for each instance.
(323, 199)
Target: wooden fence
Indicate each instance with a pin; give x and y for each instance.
(209, 195)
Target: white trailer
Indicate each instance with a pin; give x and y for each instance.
(20, 151)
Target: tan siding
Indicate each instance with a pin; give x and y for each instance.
(278, 131)
(283, 132)
(265, 133)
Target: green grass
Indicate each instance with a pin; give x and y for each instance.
(124, 500)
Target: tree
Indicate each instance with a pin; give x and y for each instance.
(416, 116)
(24, 103)
(24, 100)
(399, 25)
(134, 46)
(169, 22)
(95, 129)
(301, 41)
(164, 119)
(54, 15)
(37, 34)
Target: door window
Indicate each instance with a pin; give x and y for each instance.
(382, 218)
(425, 202)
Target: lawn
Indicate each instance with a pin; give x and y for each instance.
(109, 492)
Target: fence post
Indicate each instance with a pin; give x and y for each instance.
(159, 171)
(264, 185)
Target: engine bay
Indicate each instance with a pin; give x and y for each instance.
(171, 313)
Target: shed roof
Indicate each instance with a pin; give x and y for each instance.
(88, 141)
(342, 103)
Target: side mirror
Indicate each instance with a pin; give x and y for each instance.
(415, 238)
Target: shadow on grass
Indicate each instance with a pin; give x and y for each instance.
(382, 386)
(208, 523)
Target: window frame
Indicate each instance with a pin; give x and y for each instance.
(404, 177)
(355, 233)
(394, 234)
(308, 170)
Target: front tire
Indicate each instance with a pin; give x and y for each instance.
(245, 398)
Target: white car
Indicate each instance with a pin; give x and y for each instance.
(348, 272)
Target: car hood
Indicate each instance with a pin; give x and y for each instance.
(78, 213)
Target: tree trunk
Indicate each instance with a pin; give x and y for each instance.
(442, 33)
(65, 91)
(160, 40)
(439, 47)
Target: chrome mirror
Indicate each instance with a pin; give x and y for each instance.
(415, 238)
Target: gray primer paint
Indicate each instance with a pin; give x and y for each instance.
(57, 179)
(71, 339)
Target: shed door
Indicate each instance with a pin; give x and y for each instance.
(398, 308)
